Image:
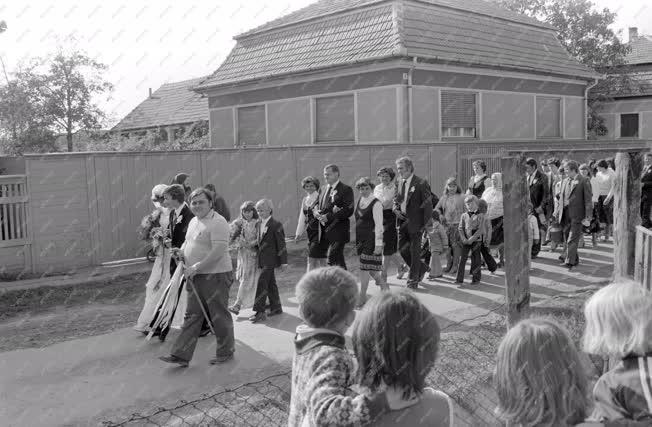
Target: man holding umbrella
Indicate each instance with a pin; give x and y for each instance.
(209, 277)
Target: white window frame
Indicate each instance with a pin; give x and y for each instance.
(478, 115)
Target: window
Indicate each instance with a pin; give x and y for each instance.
(251, 125)
(629, 125)
(458, 114)
(548, 117)
(335, 119)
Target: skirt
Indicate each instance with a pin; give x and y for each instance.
(497, 234)
(316, 249)
(390, 235)
(605, 211)
(369, 261)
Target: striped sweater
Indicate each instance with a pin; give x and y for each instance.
(322, 376)
(625, 391)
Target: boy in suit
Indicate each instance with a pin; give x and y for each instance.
(272, 254)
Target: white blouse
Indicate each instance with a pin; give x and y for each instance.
(377, 212)
(385, 195)
(307, 201)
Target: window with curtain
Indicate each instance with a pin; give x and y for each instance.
(459, 114)
(335, 118)
(251, 125)
(548, 117)
(629, 125)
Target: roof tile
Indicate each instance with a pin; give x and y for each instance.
(641, 52)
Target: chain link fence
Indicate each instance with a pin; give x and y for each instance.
(463, 371)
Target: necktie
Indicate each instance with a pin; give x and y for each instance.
(403, 188)
(328, 193)
(174, 219)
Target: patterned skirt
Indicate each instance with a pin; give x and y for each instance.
(369, 261)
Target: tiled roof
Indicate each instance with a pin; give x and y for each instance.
(641, 52)
(172, 103)
(641, 85)
(459, 31)
(327, 7)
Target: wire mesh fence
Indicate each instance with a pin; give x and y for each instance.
(463, 370)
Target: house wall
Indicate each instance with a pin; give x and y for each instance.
(377, 115)
(288, 122)
(221, 128)
(611, 113)
(574, 118)
(12, 165)
(507, 115)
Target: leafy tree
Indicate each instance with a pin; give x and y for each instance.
(584, 31)
(69, 87)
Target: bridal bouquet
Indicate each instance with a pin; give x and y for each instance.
(150, 230)
(160, 237)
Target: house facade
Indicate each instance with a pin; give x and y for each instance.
(629, 115)
(397, 71)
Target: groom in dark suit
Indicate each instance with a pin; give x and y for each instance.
(413, 208)
(335, 208)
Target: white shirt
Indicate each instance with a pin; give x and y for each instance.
(178, 210)
(605, 182)
(263, 224)
(385, 194)
(307, 201)
(202, 236)
(329, 187)
(377, 212)
(407, 191)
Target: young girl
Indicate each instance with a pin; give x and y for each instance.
(533, 234)
(619, 324)
(401, 369)
(438, 242)
(470, 231)
(539, 378)
(244, 238)
(451, 206)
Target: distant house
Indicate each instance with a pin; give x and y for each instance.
(629, 115)
(172, 108)
(397, 71)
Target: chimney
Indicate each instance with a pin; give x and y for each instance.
(633, 33)
(150, 89)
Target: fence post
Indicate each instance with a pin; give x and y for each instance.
(626, 212)
(517, 278)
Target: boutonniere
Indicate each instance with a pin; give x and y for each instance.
(179, 219)
(333, 193)
(535, 181)
(264, 230)
(412, 189)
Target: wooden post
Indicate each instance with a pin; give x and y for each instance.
(626, 212)
(517, 272)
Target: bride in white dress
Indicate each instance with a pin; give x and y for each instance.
(160, 276)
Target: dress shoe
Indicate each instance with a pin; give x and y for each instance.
(174, 359)
(475, 282)
(235, 309)
(275, 312)
(162, 335)
(221, 359)
(258, 317)
(401, 271)
(413, 285)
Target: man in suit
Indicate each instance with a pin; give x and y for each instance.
(538, 187)
(574, 210)
(413, 208)
(272, 254)
(335, 208)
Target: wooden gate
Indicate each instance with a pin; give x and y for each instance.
(14, 237)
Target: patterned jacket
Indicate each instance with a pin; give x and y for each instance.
(322, 374)
(625, 392)
(437, 238)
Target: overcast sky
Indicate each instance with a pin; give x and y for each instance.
(146, 44)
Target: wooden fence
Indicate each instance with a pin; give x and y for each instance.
(14, 234)
(643, 257)
(84, 208)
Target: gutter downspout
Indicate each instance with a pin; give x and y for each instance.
(586, 105)
(409, 99)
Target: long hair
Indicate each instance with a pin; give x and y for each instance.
(449, 181)
(618, 320)
(539, 377)
(395, 342)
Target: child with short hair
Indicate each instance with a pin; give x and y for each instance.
(539, 378)
(382, 364)
(619, 324)
(438, 242)
(533, 235)
(471, 230)
(322, 369)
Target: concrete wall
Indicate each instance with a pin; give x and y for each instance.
(611, 113)
(507, 116)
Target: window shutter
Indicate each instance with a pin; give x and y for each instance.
(335, 118)
(548, 117)
(251, 125)
(458, 110)
(629, 125)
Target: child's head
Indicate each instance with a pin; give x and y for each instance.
(435, 216)
(539, 377)
(452, 187)
(483, 206)
(530, 207)
(395, 341)
(327, 298)
(471, 203)
(618, 320)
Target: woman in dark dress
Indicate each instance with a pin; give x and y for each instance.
(480, 181)
(369, 237)
(310, 225)
(385, 193)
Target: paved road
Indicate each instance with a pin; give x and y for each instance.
(84, 381)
